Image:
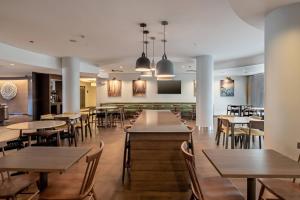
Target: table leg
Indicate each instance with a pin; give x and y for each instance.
(251, 188)
(106, 120)
(232, 136)
(43, 181)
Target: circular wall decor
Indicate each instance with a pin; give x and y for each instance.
(8, 90)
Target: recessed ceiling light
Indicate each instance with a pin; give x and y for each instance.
(72, 40)
(121, 67)
(12, 64)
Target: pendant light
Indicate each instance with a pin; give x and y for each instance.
(143, 63)
(164, 68)
(152, 65)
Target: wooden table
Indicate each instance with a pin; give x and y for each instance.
(43, 160)
(252, 164)
(234, 120)
(35, 125)
(156, 160)
(6, 137)
(106, 108)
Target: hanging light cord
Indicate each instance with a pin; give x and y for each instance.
(153, 48)
(143, 39)
(165, 39)
(146, 44)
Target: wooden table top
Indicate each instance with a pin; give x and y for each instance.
(106, 107)
(43, 159)
(153, 121)
(6, 137)
(252, 163)
(70, 116)
(36, 125)
(239, 120)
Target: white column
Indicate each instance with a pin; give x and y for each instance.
(282, 80)
(204, 91)
(71, 84)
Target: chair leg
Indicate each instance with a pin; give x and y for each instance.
(259, 141)
(226, 146)
(89, 127)
(261, 192)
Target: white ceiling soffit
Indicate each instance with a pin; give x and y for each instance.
(254, 11)
(241, 71)
(106, 31)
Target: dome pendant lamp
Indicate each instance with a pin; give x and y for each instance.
(164, 68)
(143, 63)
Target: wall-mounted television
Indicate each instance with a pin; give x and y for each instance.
(169, 87)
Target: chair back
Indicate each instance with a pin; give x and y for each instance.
(257, 124)
(225, 124)
(190, 163)
(92, 164)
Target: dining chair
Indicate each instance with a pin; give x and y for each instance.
(226, 130)
(256, 129)
(68, 131)
(191, 141)
(69, 189)
(282, 189)
(11, 186)
(208, 188)
(84, 126)
(126, 154)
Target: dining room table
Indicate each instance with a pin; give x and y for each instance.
(252, 164)
(156, 161)
(43, 160)
(35, 125)
(106, 110)
(6, 137)
(236, 120)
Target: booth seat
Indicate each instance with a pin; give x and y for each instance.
(185, 108)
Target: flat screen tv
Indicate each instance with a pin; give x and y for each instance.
(169, 87)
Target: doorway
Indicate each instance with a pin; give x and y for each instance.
(82, 96)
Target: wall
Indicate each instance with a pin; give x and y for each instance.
(239, 98)
(220, 103)
(19, 104)
(90, 94)
(282, 94)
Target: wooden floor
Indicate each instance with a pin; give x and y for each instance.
(108, 184)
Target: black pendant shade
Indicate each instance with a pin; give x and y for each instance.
(143, 63)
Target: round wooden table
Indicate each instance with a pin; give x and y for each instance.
(35, 125)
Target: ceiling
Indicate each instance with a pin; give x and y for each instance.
(107, 31)
(254, 11)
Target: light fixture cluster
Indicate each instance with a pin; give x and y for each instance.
(164, 69)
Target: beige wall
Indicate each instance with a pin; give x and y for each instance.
(90, 94)
(282, 94)
(19, 104)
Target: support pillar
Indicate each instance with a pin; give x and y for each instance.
(71, 84)
(204, 91)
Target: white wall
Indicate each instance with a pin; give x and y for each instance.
(220, 103)
(239, 98)
(282, 94)
(187, 94)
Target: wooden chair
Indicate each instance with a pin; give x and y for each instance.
(68, 190)
(191, 142)
(126, 155)
(256, 129)
(84, 124)
(226, 130)
(68, 131)
(281, 189)
(11, 186)
(209, 188)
